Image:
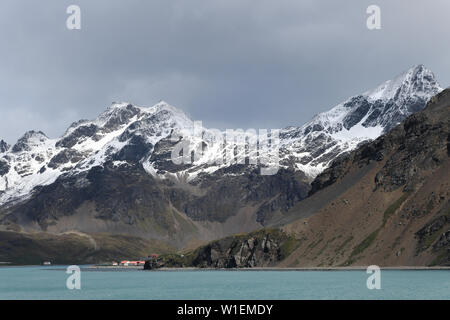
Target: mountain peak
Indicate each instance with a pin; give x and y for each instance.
(33, 135)
(30, 139)
(118, 107)
(361, 118)
(163, 105)
(117, 115)
(419, 68)
(417, 80)
(180, 118)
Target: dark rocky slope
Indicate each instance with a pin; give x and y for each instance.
(264, 248)
(386, 203)
(127, 200)
(390, 203)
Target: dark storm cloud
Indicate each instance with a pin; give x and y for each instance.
(233, 63)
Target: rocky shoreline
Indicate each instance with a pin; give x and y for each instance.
(263, 248)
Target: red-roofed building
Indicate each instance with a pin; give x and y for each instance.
(132, 263)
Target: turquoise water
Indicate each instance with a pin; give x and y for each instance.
(50, 283)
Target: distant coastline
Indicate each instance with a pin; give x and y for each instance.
(93, 267)
(356, 268)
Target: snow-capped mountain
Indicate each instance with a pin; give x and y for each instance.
(364, 117)
(122, 133)
(125, 134)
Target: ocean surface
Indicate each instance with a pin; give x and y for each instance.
(39, 282)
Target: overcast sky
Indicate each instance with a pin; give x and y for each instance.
(229, 63)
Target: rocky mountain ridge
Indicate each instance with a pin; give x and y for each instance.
(389, 206)
(115, 175)
(390, 203)
(125, 134)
